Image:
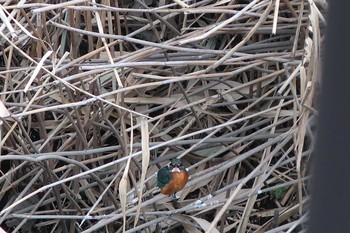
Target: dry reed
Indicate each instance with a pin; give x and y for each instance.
(98, 95)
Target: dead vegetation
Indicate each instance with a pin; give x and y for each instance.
(98, 95)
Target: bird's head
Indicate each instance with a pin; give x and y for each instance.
(176, 165)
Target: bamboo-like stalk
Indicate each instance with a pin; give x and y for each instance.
(226, 87)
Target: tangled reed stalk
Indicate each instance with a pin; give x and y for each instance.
(98, 95)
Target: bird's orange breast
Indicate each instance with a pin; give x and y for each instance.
(178, 181)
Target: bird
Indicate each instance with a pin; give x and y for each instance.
(172, 178)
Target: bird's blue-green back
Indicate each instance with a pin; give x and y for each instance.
(163, 176)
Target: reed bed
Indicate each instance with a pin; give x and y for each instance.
(98, 95)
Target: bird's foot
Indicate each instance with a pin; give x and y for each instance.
(176, 204)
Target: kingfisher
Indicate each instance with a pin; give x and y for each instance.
(172, 178)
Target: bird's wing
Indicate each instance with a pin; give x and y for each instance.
(163, 176)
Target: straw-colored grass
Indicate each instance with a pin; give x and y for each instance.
(98, 95)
